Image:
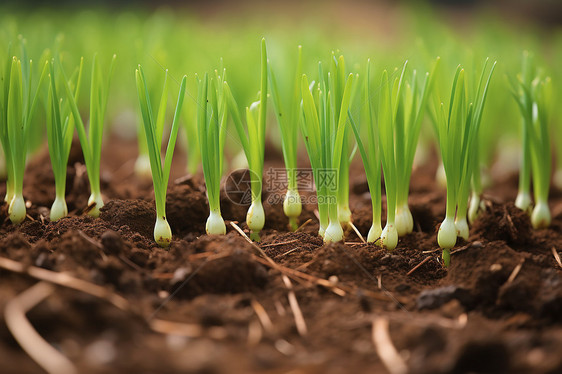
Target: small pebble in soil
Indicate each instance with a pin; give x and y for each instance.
(434, 298)
(495, 268)
(176, 342)
(402, 287)
(100, 352)
(180, 274)
(112, 242)
(139, 257)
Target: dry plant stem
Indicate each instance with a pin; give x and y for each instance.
(280, 243)
(255, 333)
(186, 329)
(44, 354)
(65, 280)
(515, 272)
(303, 225)
(385, 349)
(556, 256)
(295, 274)
(357, 232)
(299, 276)
(299, 319)
(68, 281)
(419, 265)
(262, 316)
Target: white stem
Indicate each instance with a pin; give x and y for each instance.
(440, 176)
(523, 201)
(292, 205)
(17, 209)
(389, 236)
(142, 166)
(255, 218)
(474, 207)
(462, 227)
(404, 220)
(215, 224)
(374, 232)
(540, 218)
(162, 232)
(58, 209)
(334, 232)
(344, 214)
(321, 230)
(557, 179)
(447, 235)
(96, 203)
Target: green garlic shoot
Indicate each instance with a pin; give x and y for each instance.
(60, 129)
(324, 136)
(91, 141)
(370, 155)
(160, 171)
(211, 127)
(287, 111)
(408, 125)
(18, 105)
(253, 144)
(457, 133)
(533, 95)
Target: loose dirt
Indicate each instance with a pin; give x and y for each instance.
(496, 309)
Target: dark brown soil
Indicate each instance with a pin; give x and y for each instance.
(498, 308)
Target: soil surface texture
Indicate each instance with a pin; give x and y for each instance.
(111, 301)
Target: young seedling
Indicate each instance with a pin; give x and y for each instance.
(336, 87)
(253, 144)
(475, 204)
(190, 138)
(17, 107)
(533, 95)
(211, 127)
(457, 132)
(160, 172)
(91, 141)
(370, 155)
(408, 123)
(60, 129)
(142, 163)
(4, 138)
(388, 104)
(287, 111)
(393, 141)
(324, 135)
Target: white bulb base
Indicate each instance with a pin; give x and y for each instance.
(374, 232)
(162, 232)
(462, 227)
(404, 221)
(334, 232)
(389, 236)
(540, 218)
(95, 203)
(447, 235)
(255, 218)
(215, 224)
(58, 209)
(142, 166)
(523, 201)
(17, 210)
